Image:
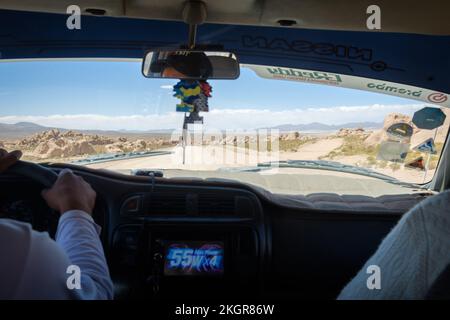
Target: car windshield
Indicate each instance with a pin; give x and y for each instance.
(269, 123)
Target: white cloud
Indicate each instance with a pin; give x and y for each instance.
(220, 118)
(166, 86)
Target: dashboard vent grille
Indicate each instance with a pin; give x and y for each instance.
(166, 204)
(211, 205)
(199, 204)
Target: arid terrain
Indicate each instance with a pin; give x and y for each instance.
(57, 146)
(353, 146)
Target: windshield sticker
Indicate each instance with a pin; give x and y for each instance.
(400, 131)
(353, 82)
(393, 151)
(306, 76)
(416, 164)
(427, 146)
(429, 118)
(394, 89)
(437, 97)
(293, 74)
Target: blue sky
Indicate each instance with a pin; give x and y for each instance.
(115, 95)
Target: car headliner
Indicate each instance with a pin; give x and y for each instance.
(412, 59)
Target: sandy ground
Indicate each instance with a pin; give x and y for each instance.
(402, 174)
(212, 157)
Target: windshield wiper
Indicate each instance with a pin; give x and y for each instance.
(257, 168)
(336, 166)
(324, 165)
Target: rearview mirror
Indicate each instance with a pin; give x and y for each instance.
(190, 64)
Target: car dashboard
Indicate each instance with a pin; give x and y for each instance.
(169, 238)
(188, 240)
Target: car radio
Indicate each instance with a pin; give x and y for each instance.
(177, 259)
(193, 258)
(180, 260)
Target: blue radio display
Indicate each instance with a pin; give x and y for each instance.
(194, 258)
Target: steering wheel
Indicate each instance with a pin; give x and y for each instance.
(46, 178)
(34, 171)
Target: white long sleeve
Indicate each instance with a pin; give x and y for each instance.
(33, 266)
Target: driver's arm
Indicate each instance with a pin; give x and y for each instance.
(78, 234)
(33, 266)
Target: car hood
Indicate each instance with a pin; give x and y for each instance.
(296, 181)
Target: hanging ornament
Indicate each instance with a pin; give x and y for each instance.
(193, 95)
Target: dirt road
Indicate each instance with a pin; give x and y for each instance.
(312, 151)
(212, 157)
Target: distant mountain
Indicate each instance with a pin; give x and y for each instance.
(20, 130)
(317, 126)
(22, 126)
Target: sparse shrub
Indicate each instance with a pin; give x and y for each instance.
(394, 166)
(353, 145)
(382, 164)
(371, 160)
(293, 145)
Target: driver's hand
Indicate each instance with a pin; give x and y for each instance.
(7, 159)
(70, 192)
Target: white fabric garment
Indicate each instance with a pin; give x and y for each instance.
(33, 266)
(411, 257)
